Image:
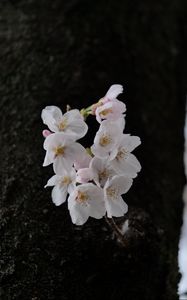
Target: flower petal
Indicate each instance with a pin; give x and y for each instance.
(49, 158)
(116, 207)
(83, 161)
(75, 124)
(121, 183)
(114, 91)
(128, 167)
(130, 142)
(79, 213)
(60, 164)
(51, 116)
(59, 195)
(52, 181)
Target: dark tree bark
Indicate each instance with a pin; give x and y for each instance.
(59, 52)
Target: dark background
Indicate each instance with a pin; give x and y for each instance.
(59, 52)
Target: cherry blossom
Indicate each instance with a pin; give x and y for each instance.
(101, 170)
(125, 162)
(92, 179)
(106, 140)
(63, 184)
(109, 107)
(113, 189)
(87, 200)
(62, 151)
(71, 123)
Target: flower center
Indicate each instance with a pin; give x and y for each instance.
(96, 105)
(66, 180)
(106, 111)
(59, 150)
(103, 174)
(63, 124)
(104, 140)
(81, 197)
(121, 154)
(111, 192)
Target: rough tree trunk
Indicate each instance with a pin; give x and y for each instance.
(58, 52)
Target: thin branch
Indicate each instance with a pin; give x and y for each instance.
(116, 230)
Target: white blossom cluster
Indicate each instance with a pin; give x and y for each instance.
(91, 180)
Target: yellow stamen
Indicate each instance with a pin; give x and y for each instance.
(63, 125)
(81, 197)
(121, 154)
(106, 111)
(66, 180)
(104, 140)
(59, 150)
(111, 192)
(103, 174)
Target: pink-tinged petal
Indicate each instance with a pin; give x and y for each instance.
(73, 124)
(49, 158)
(56, 139)
(102, 111)
(121, 183)
(75, 152)
(97, 204)
(129, 166)
(77, 128)
(111, 110)
(59, 195)
(60, 164)
(52, 181)
(79, 213)
(51, 116)
(73, 114)
(83, 161)
(134, 162)
(129, 143)
(113, 189)
(116, 207)
(114, 91)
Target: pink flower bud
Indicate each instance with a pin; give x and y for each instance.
(84, 175)
(45, 133)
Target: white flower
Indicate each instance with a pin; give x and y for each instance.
(63, 184)
(106, 140)
(101, 170)
(125, 162)
(62, 151)
(111, 110)
(86, 200)
(113, 189)
(109, 107)
(70, 123)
